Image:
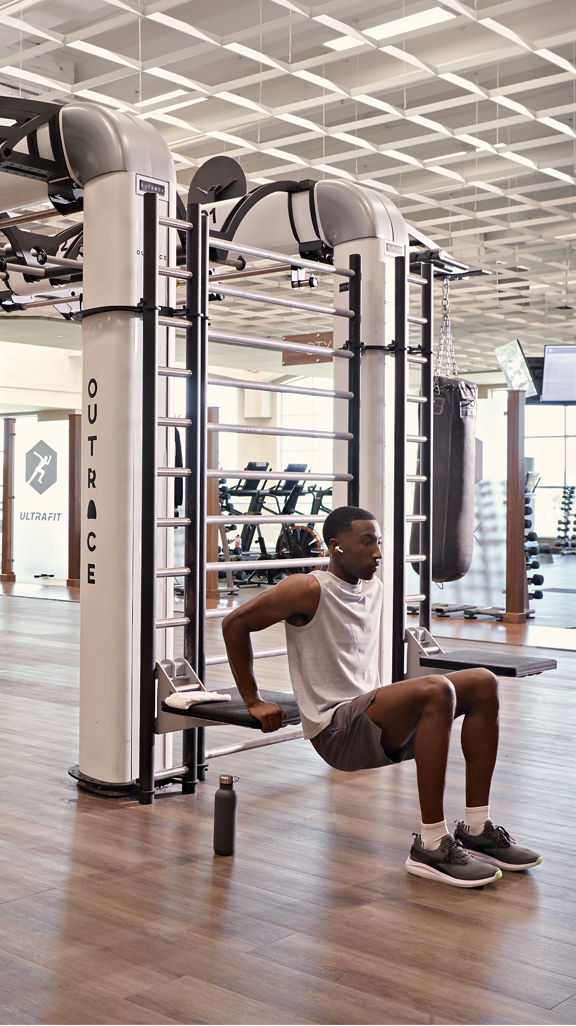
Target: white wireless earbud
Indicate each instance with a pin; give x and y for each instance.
(338, 549)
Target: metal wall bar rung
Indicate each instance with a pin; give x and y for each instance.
(251, 429)
(173, 571)
(173, 422)
(217, 614)
(414, 358)
(276, 475)
(421, 399)
(173, 471)
(412, 319)
(410, 600)
(270, 653)
(256, 342)
(174, 372)
(301, 520)
(417, 279)
(268, 254)
(415, 557)
(416, 518)
(175, 222)
(416, 478)
(258, 386)
(173, 522)
(293, 304)
(173, 621)
(255, 272)
(418, 439)
(268, 564)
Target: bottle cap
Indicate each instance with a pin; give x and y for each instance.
(226, 780)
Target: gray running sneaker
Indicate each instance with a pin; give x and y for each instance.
(450, 864)
(494, 845)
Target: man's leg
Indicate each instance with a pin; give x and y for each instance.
(423, 708)
(477, 701)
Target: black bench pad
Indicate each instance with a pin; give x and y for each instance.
(503, 665)
(235, 712)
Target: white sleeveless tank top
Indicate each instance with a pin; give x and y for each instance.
(334, 657)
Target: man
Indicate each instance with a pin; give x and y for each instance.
(332, 624)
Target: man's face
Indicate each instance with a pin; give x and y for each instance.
(361, 555)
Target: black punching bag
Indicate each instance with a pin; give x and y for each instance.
(453, 477)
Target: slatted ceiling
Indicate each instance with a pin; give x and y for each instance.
(467, 123)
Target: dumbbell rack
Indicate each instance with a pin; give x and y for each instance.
(565, 540)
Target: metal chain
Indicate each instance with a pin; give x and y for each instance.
(445, 353)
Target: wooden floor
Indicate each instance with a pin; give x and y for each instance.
(111, 912)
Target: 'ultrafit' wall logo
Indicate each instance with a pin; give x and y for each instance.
(41, 467)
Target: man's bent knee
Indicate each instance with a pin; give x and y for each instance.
(438, 689)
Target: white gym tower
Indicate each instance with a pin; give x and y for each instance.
(127, 176)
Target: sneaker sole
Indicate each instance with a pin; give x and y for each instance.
(420, 869)
(493, 861)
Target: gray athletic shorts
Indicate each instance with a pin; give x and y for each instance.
(352, 741)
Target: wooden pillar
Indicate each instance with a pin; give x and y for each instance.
(8, 501)
(517, 607)
(212, 507)
(74, 510)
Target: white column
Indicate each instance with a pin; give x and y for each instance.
(111, 478)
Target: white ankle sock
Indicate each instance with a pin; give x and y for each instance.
(475, 818)
(432, 834)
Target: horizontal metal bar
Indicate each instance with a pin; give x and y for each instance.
(260, 743)
(173, 621)
(58, 298)
(268, 564)
(417, 399)
(55, 261)
(266, 519)
(270, 653)
(42, 215)
(419, 439)
(415, 558)
(173, 571)
(254, 272)
(168, 774)
(416, 518)
(217, 614)
(251, 429)
(173, 522)
(413, 599)
(259, 386)
(293, 304)
(269, 254)
(416, 478)
(420, 360)
(174, 422)
(416, 279)
(174, 372)
(173, 471)
(176, 222)
(412, 319)
(32, 272)
(276, 475)
(282, 346)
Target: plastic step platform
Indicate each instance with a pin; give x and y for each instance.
(235, 712)
(503, 665)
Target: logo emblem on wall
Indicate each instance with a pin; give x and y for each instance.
(41, 467)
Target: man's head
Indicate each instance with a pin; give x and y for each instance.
(352, 535)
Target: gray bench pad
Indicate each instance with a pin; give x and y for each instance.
(503, 665)
(235, 712)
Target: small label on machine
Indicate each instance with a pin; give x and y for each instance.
(144, 185)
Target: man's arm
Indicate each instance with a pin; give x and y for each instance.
(297, 595)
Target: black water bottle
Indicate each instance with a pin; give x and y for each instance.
(225, 801)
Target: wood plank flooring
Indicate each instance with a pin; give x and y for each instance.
(111, 912)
